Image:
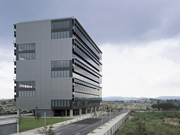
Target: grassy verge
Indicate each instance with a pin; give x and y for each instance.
(152, 123)
(31, 123)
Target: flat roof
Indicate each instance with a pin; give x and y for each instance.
(46, 20)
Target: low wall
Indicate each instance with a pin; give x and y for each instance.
(112, 126)
(8, 127)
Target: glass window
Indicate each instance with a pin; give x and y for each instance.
(67, 24)
(19, 93)
(52, 35)
(61, 35)
(68, 34)
(61, 103)
(67, 63)
(64, 73)
(67, 103)
(30, 93)
(59, 63)
(58, 105)
(33, 93)
(59, 74)
(68, 73)
(52, 74)
(27, 93)
(55, 103)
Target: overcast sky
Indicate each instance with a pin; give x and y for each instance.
(140, 40)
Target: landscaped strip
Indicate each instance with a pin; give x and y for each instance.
(31, 123)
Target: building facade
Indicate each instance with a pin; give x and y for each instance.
(58, 68)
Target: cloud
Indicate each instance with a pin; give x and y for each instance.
(140, 70)
(117, 21)
(6, 70)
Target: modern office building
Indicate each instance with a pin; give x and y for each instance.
(58, 68)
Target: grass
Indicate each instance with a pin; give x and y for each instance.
(31, 123)
(152, 123)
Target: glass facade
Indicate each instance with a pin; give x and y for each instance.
(26, 46)
(26, 56)
(60, 103)
(60, 63)
(26, 51)
(60, 74)
(26, 94)
(61, 34)
(26, 84)
(60, 25)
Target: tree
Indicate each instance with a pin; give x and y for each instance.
(164, 106)
(38, 117)
(19, 121)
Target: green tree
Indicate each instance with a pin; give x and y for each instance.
(37, 117)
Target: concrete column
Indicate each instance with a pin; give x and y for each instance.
(94, 109)
(91, 110)
(71, 113)
(86, 111)
(18, 115)
(80, 112)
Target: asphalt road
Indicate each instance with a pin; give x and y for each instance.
(83, 127)
(14, 116)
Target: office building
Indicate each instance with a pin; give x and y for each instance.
(58, 68)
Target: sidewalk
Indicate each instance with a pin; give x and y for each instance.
(111, 126)
(56, 125)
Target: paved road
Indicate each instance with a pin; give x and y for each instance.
(82, 127)
(14, 116)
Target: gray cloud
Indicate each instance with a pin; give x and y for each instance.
(171, 53)
(114, 21)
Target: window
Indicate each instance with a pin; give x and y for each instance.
(60, 25)
(60, 63)
(26, 46)
(26, 84)
(60, 74)
(26, 94)
(62, 34)
(30, 55)
(60, 103)
(26, 56)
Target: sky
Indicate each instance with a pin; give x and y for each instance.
(140, 41)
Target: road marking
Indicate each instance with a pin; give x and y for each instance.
(59, 133)
(77, 134)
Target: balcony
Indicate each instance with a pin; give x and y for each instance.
(15, 52)
(14, 33)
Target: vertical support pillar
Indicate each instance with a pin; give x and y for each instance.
(71, 113)
(86, 111)
(91, 110)
(80, 112)
(18, 115)
(45, 119)
(94, 109)
(66, 115)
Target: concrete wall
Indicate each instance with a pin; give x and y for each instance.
(112, 126)
(9, 128)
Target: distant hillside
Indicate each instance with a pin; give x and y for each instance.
(114, 98)
(168, 97)
(118, 98)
